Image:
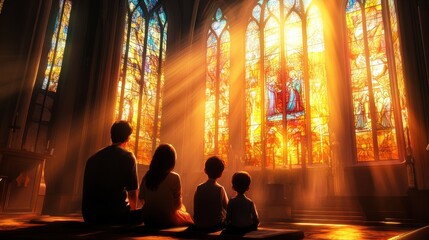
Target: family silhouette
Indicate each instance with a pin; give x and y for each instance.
(110, 191)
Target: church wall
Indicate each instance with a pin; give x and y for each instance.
(21, 42)
(415, 63)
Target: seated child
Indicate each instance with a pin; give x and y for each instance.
(210, 199)
(241, 216)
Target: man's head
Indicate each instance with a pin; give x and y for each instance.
(120, 131)
(214, 167)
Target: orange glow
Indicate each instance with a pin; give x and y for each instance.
(336, 231)
(345, 233)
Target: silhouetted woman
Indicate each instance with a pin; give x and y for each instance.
(161, 193)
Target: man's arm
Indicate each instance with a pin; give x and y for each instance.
(132, 183)
(132, 199)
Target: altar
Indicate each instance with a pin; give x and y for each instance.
(21, 181)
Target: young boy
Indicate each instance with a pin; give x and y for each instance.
(210, 199)
(241, 213)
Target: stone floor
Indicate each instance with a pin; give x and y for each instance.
(14, 227)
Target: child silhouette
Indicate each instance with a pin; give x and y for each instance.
(241, 216)
(210, 199)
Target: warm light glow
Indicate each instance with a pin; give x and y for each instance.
(345, 233)
(319, 224)
(286, 86)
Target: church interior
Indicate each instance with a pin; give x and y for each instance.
(324, 102)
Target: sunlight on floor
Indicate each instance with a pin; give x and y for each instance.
(325, 231)
(345, 233)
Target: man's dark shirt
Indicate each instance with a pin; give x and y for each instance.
(108, 175)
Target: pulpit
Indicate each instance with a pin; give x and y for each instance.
(21, 177)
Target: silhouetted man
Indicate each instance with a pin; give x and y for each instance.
(110, 182)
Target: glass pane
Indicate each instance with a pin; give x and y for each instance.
(142, 78)
(318, 88)
(273, 92)
(129, 86)
(56, 52)
(224, 66)
(210, 104)
(278, 79)
(372, 75)
(295, 97)
(253, 91)
(359, 78)
(216, 135)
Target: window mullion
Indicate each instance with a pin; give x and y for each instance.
(373, 109)
(262, 85)
(283, 76)
(306, 151)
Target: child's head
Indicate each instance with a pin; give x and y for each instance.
(214, 167)
(241, 182)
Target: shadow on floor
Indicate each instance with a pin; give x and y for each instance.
(65, 230)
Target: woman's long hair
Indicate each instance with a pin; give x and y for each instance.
(162, 163)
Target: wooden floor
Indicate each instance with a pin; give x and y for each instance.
(15, 227)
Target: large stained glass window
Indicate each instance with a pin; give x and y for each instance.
(216, 135)
(377, 80)
(36, 132)
(142, 75)
(286, 86)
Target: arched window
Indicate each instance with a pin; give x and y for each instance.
(286, 86)
(216, 135)
(377, 83)
(36, 132)
(142, 75)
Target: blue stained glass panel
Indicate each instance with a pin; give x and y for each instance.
(150, 4)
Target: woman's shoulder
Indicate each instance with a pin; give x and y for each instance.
(173, 175)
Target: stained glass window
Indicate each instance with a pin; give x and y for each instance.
(286, 86)
(36, 138)
(377, 80)
(1, 5)
(55, 56)
(142, 75)
(216, 136)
